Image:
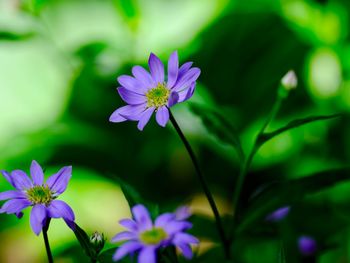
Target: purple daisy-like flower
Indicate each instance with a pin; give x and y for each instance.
(41, 196)
(146, 92)
(145, 237)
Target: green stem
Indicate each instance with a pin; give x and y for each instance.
(248, 161)
(47, 244)
(205, 187)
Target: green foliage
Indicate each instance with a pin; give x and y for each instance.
(59, 61)
(264, 137)
(288, 192)
(84, 242)
(133, 198)
(218, 124)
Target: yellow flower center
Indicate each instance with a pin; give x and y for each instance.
(153, 236)
(158, 96)
(40, 194)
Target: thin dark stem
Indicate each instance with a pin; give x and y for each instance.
(47, 244)
(205, 187)
(248, 161)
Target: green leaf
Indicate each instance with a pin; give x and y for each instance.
(15, 36)
(84, 241)
(218, 125)
(131, 195)
(295, 124)
(133, 198)
(288, 192)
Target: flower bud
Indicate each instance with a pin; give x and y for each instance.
(307, 245)
(98, 241)
(290, 80)
(278, 214)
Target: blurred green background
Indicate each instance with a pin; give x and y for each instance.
(59, 60)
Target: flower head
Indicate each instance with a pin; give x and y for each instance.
(146, 92)
(146, 237)
(41, 196)
(307, 245)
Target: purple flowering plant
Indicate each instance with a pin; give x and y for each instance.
(145, 237)
(40, 195)
(147, 92)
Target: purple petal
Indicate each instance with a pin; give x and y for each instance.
(307, 245)
(173, 99)
(129, 224)
(143, 76)
(186, 250)
(147, 255)
(125, 249)
(21, 180)
(279, 214)
(190, 91)
(185, 238)
(131, 97)
(59, 181)
(173, 68)
(163, 219)
(157, 68)
(162, 116)
(187, 79)
(132, 84)
(182, 213)
(183, 69)
(144, 118)
(7, 176)
(37, 173)
(125, 235)
(142, 217)
(187, 93)
(15, 206)
(38, 218)
(135, 112)
(59, 209)
(11, 194)
(128, 112)
(176, 227)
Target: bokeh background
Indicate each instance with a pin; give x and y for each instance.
(59, 60)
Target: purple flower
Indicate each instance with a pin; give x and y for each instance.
(41, 196)
(145, 237)
(279, 214)
(146, 92)
(307, 245)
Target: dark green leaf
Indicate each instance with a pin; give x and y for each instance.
(218, 125)
(133, 198)
(131, 195)
(288, 192)
(84, 241)
(14, 36)
(295, 124)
